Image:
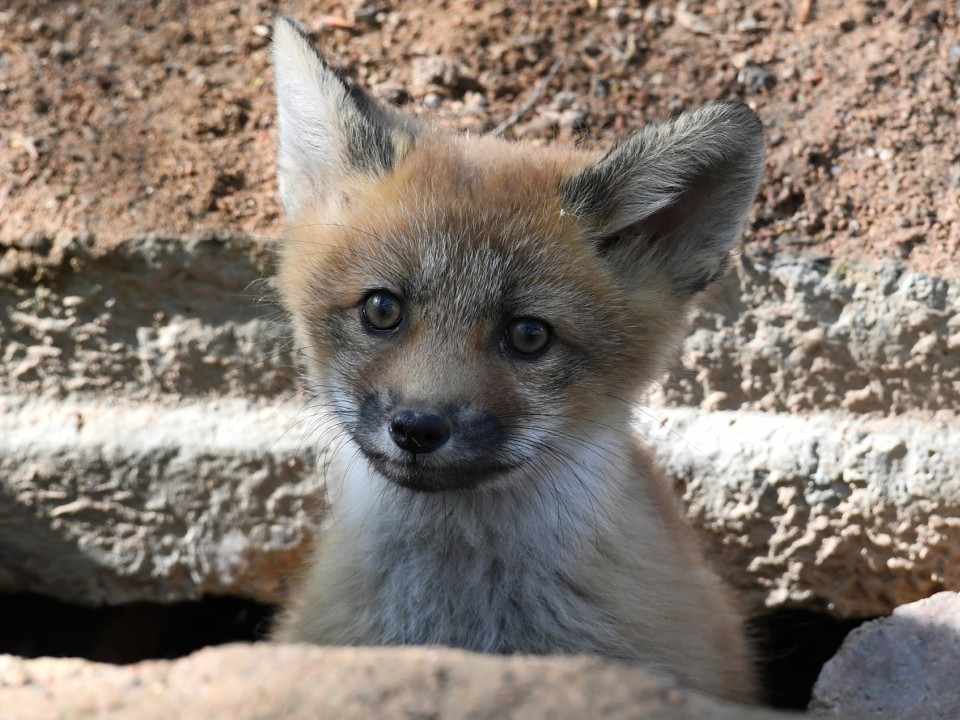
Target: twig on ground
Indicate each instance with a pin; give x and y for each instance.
(903, 13)
(530, 101)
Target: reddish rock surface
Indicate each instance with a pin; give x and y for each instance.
(247, 682)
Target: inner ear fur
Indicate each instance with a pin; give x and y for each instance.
(329, 130)
(673, 198)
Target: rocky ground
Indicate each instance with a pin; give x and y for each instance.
(122, 119)
(151, 446)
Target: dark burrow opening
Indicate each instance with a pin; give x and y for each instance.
(793, 645)
(38, 626)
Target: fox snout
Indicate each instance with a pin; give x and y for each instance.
(430, 447)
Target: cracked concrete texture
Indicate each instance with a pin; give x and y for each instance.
(790, 335)
(824, 512)
(245, 682)
(120, 503)
(110, 503)
(155, 317)
(145, 451)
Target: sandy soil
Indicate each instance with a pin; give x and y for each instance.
(120, 119)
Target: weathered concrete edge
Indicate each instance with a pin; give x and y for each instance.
(154, 316)
(801, 334)
(850, 515)
(300, 682)
(148, 318)
(824, 512)
(103, 502)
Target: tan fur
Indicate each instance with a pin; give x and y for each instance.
(566, 538)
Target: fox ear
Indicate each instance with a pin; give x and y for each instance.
(673, 198)
(329, 130)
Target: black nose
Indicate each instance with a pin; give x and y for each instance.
(418, 431)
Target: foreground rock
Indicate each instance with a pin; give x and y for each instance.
(903, 666)
(243, 682)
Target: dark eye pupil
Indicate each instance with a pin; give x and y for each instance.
(382, 311)
(527, 336)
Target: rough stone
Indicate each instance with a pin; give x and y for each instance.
(822, 512)
(196, 318)
(150, 317)
(106, 503)
(245, 682)
(790, 335)
(125, 501)
(902, 666)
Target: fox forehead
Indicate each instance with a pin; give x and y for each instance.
(475, 222)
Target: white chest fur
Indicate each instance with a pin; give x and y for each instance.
(494, 570)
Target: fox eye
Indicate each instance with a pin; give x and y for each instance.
(381, 310)
(527, 336)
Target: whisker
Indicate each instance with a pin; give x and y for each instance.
(662, 423)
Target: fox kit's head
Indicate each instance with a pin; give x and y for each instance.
(470, 307)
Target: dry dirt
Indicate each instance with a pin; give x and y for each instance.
(120, 119)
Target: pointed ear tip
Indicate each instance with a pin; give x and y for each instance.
(288, 32)
(737, 112)
(285, 33)
(292, 44)
(284, 24)
(747, 124)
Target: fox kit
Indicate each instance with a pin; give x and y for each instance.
(476, 316)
